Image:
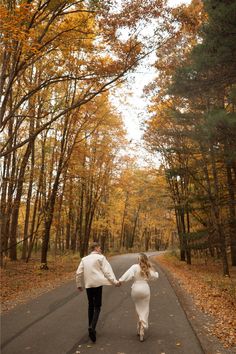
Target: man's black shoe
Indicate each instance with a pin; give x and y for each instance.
(92, 334)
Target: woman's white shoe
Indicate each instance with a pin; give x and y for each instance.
(138, 328)
(141, 333)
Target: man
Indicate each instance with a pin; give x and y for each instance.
(93, 272)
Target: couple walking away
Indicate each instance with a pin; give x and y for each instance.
(94, 271)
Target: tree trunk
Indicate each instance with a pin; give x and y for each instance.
(28, 204)
(184, 235)
(3, 208)
(188, 250)
(17, 201)
(180, 234)
(37, 202)
(81, 217)
(69, 218)
(232, 213)
(49, 217)
(122, 238)
(147, 239)
(8, 187)
(50, 204)
(135, 226)
(216, 212)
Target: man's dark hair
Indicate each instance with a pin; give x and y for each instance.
(93, 246)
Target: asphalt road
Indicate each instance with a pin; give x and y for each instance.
(56, 322)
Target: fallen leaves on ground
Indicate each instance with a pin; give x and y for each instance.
(212, 293)
(23, 281)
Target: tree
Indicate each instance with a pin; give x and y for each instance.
(191, 130)
(50, 48)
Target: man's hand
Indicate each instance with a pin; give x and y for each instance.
(118, 284)
(80, 288)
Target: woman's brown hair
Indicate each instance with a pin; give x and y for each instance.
(144, 265)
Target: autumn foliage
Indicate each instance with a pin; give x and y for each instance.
(192, 125)
(61, 136)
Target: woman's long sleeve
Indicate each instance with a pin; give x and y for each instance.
(153, 274)
(128, 275)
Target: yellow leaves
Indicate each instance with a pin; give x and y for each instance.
(17, 20)
(28, 28)
(190, 16)
(15, 28)
(77, 31)
(159, 118)
(54, 4)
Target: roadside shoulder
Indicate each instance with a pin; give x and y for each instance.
(199, 320)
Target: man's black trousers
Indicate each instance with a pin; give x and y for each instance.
(94, 305)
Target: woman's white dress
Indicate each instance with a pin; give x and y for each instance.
(140, 292)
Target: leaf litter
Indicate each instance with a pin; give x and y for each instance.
(213, 294)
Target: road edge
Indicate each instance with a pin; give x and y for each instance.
(196, 318)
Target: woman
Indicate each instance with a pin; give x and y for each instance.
(140, 292)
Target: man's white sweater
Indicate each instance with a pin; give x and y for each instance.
(94, 270)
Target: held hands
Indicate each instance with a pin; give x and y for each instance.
(118, 284)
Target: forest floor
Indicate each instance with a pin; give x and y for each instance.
(24, 281)
(201, 286)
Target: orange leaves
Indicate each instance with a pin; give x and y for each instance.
(18, 275)
(74, 32)
(15, 27)
(212, 293)
(183, 26)
(32, 30)
(190, 16)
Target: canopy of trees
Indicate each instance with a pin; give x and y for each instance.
(193, 126)
(60, 135)
(65, 178)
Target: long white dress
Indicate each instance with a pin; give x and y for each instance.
(140, 291)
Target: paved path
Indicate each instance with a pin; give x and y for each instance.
(56, 322)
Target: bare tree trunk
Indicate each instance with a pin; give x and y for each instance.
(135, 226)
(215, 207)
(17, 201)
(184, 235)
(217, 216)
(28, 204)
(178, 216)
(81, 213)
(59, 219)
(69, 221)
(232, 212)
(147, 238)
(50, 205)
(8, 187)
(88, 225)
(3, 207)
(49, 217)
(188, 250)
(37, 202)
(122, 233)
